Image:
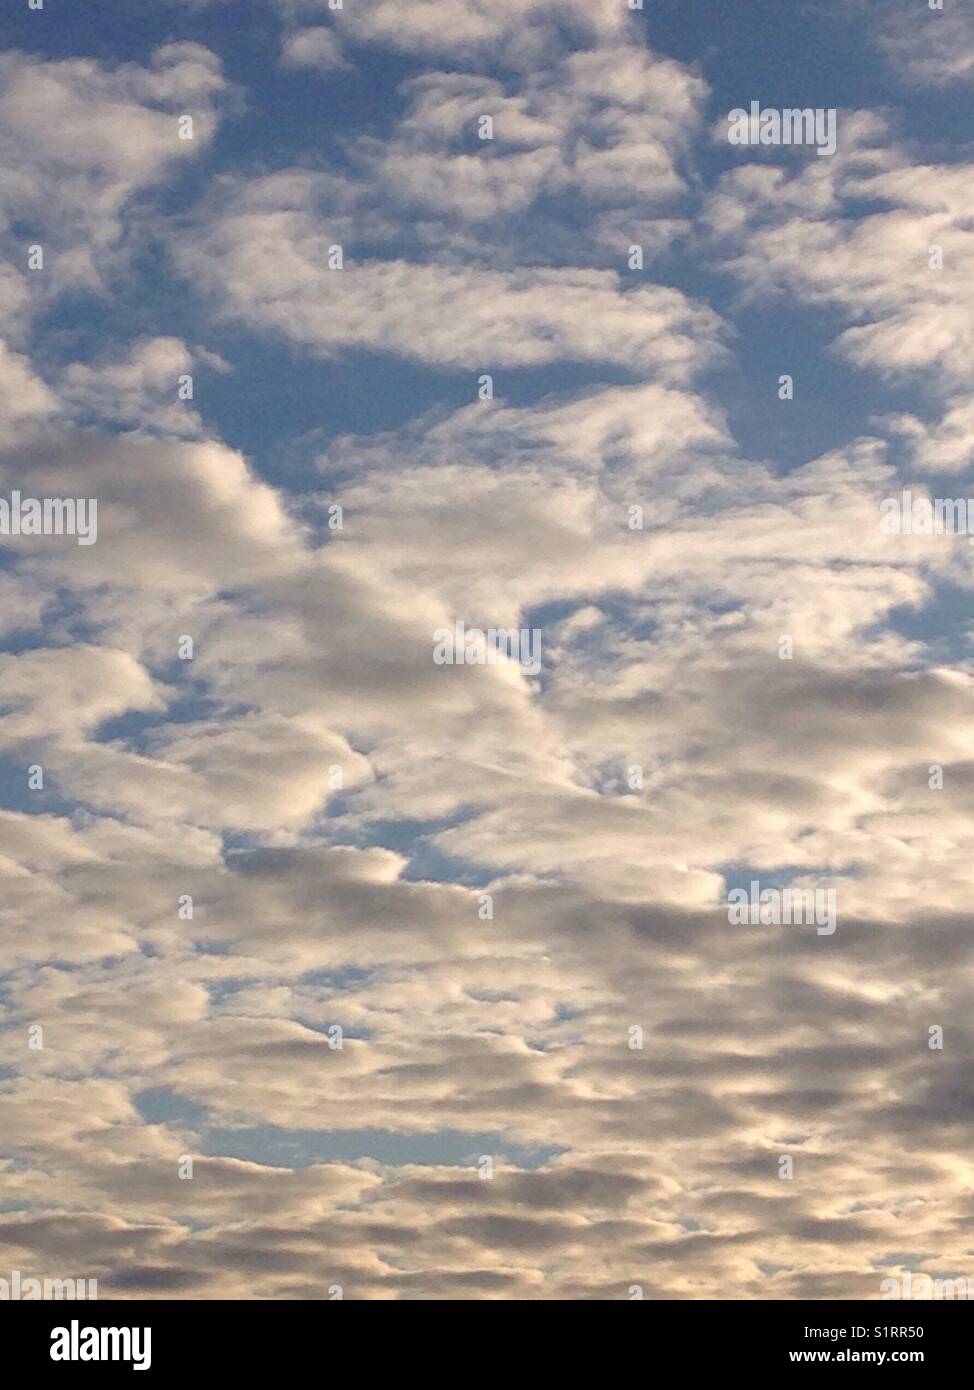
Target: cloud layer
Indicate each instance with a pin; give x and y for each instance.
(427, 968)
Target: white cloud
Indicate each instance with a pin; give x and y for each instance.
(791, 234)
(142, 388)
(80, 140)
(314, 47)
(269, 269)
(927, 47)
(523, 30)
(360, 904)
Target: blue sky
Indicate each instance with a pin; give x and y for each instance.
(507, 889)
(818, 56)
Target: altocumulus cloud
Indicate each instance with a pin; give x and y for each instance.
(329, 967)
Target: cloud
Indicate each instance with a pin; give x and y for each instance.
(429, 968)
(268, 268)
(927, 47)
(944, 446)
(521, 30)
(81, 140)
(149, 387)
(315, 47)
(899, 273)
(26, 399)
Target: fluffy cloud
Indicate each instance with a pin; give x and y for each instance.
(929, 47)
(314, 47)
(270, 270)
(342, 924)
(80, 140)
(900, 273)
(522, 30)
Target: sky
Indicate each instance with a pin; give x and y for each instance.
(328, 967)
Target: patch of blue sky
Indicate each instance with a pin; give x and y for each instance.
(135, 728)
(300, 1148)
(297, 1148)
(741, 876)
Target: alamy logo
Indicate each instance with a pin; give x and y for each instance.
(920, 516)
(782, 907)
(922, 1286)
(791, 126)
(19, 1289)
(76, 1343)
(50, 516)
(463, 646)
